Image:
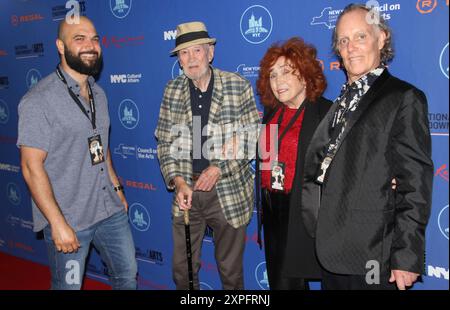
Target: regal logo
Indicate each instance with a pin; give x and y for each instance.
(16, 20)
(426, 6)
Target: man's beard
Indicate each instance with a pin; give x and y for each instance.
(199, 75)
(91, 67)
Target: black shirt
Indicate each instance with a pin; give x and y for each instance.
(200, 105)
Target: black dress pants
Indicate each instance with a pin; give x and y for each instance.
(275, 223)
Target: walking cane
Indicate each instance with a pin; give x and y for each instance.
(187, 230)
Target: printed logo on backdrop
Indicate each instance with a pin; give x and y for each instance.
(20, 245)
(59, 12)
(120, 8)
(13, 193)
(135, 151)
(426, 6)
(149, 256)
(33, 76)
(29, 50)
(384, 9)
(443, 61)
(128, 114)
(121, 42)
(9, 168)
(4, 112)
(3, 53)
(205, 286)
(128, 78)
(138, 184)
(261, 276)
(442, 172)
(327, 18)
(248, 71)
(2, 243)
(144, 283)
(4, 82)
(139, 217)
(16, 221)
(16, 20)
(256, 24)
(443, 221)
(437, 272)
(176, 69)
(7, 139)
(329, 15)
(438, 121)
(170, 35)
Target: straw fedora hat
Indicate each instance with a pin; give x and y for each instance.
(189, 34)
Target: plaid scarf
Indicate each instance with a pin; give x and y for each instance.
(348, 102)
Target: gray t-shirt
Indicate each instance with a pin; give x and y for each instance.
(50, 120)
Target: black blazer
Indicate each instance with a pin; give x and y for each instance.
(356, 216)
(300, 260)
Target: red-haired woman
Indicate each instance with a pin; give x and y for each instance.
(290, 85)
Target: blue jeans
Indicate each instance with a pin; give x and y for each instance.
(112, 238)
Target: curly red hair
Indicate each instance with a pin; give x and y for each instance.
(302, 57)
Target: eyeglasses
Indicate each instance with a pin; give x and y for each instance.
(359, 39)
(286, 72)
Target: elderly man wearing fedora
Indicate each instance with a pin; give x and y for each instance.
(217, 191)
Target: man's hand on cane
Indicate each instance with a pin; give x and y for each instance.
(183, 193)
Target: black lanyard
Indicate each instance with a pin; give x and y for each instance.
(77, 100)
(289, 125)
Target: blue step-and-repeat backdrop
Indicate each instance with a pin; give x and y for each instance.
(136, 37)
